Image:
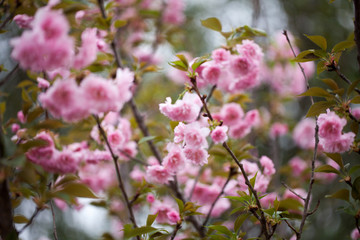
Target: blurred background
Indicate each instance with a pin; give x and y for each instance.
(331, 20)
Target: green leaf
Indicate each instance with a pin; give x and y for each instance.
(356, 99)
(253, 179)
(183, 60)
(318, 40)
(2, 108)
(179, 65)
(290, 204)
(34, 114)
(354, 169)
(180, 205)
(239, 221)
(139, 231)
(33, 143)
(221, 229)
(341, 46)
(198, 62)
(352, 86)
(146, 139)
(331, 83)
(306, 56)
(77, 190)
(320, 67)
(341, 194)
(150, 219)
(319, 107)
(25, 83)
(327, 169)
(337, 158)
(355, 191)
(49, 124)
(317, 92)
(20, 219)
(120, 23)
(212, 23)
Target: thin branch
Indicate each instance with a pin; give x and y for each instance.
(232, 172)
(8, 76)
(357, 28)
(291, 190)
(342, 76)
(118, 175)
(177, 228)
(212, 90)
(36, 212)
(136, 197)
(291, 226)
(53, 218)
(140, 121)
(315, 209)
(312, 179)
(247, 182)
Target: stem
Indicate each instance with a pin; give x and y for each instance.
(312, 180)
(14, 70)
(295, 193)
(178, 227)
(357, 28)
(232, 172)
(37, 211)
(118, 175)
(261, 218)
(53, 218)
(343, 77)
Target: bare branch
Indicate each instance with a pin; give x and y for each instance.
(53, 218)
(291, 190)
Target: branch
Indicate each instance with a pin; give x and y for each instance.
(118, 175)
(342, 76)
(357, 28)
(312, 180)
(14, 70)
(178, 227)
(232, 172)
(53, 218)
(37, 211)
(247, 182)
(12, 14)
(291, 190)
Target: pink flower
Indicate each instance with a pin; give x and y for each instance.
(252, 117)
(158, 174)
(43, 83)
(174, 159)
(250, 49)
(356, 112)
(278, 129)
(299, 191)
(269, 199)
(173, 216)
(42, 155)
(218, 135)
(240, 130)
(162, 208)
(100, 94)
(15, 127)
(195, 135)
(330, 125)
(241, 65)
(137, 175)
(124, 81)
(197, 156)
(179, 132)
(250, 167)
(261, 183)
(174, 12)
(64, 162)
(88, 50)
(268, 166)
(21, 116)
(150, 198)
(298, 165)
(220, 55)
(211, 73)
(186, 109)
(231, 114)
(304, 133)
(340, 145)
(23, 20)
(355, 235)
(116, 138)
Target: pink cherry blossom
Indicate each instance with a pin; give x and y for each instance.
(23, 20)
(231, 114)
(268, 166)
(278, 129)
(218, 135)
(158, 174)
(220, 55)
(175, 158)
(88, 50)
(250, 49)
(304, 133)
(197, 156)
(330, 125)
(298, 165)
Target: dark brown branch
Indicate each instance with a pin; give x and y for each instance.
(11, 15)
(247, 182)
(207, 100)
(232, 172)
(177, 228)
(53, 218)
(291, 226)
(140, 121)
(118, 175)
(31, 220)
(8, 76)
(315, 209)
(357, 28)
(344, 78)
(291, 190)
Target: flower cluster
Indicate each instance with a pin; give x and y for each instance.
(95, 95)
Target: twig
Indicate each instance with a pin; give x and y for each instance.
(36, 212)
(121, 184)
(53, 218)
(177, 228)
(315, 209)
(232, 172)
(11, 15)
(140, 121)
(342, 76)
(357, 28)
(291, 190)
(262, 218)
(291, 226)
(207, 100)
(195, 182)
(312, 180)
(8, 76)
